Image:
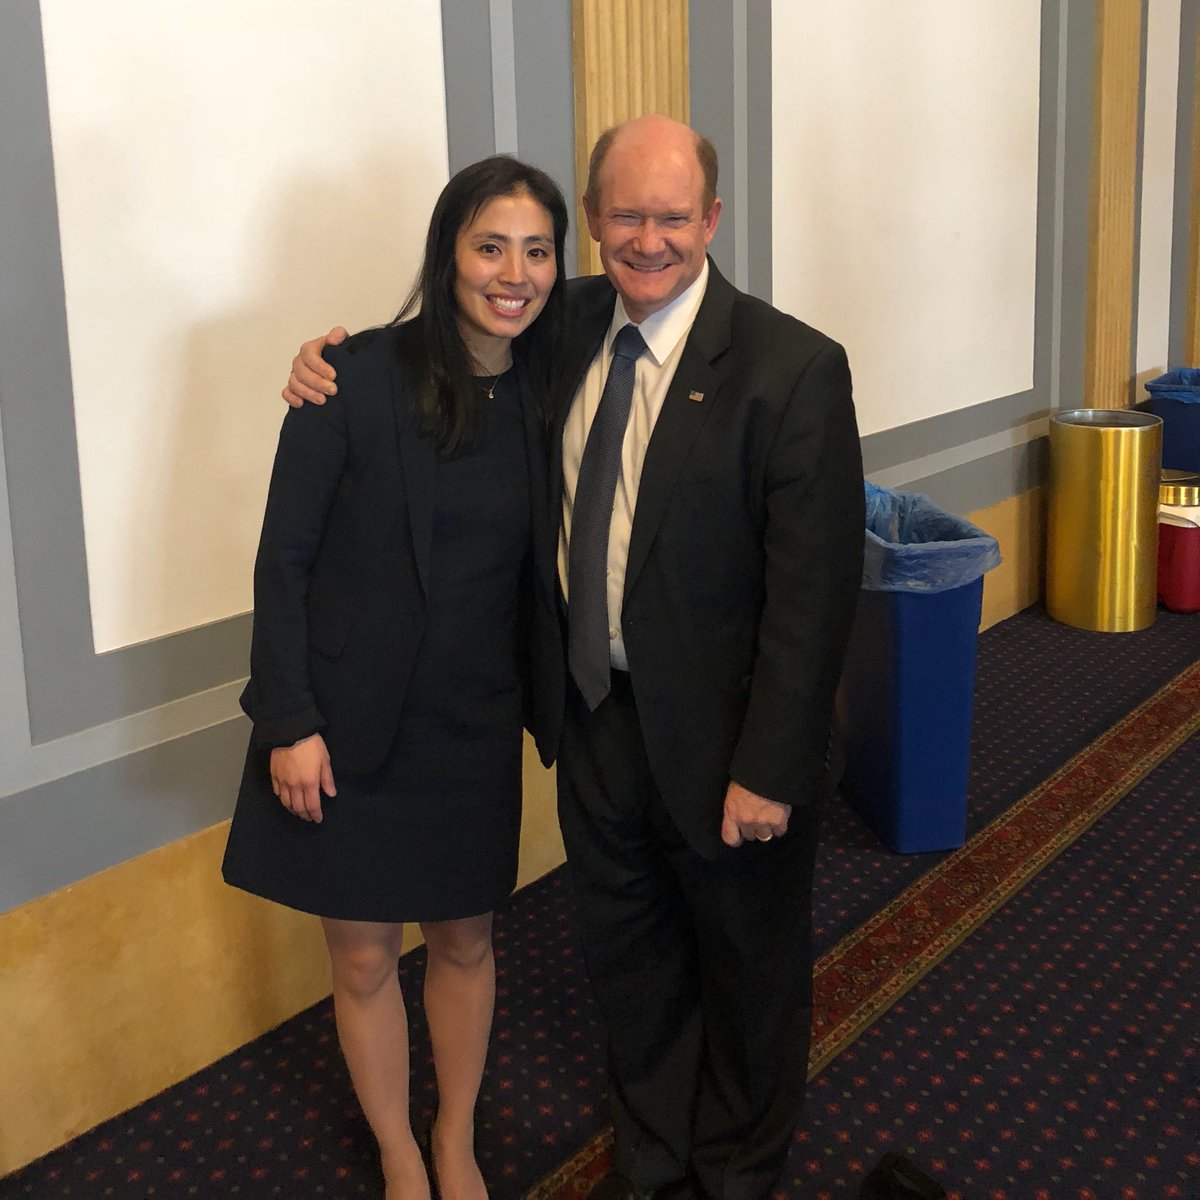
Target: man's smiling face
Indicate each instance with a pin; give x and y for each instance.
(649, 214)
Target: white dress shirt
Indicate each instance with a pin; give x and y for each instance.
(664, 333)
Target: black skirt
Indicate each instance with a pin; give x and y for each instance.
(433, 835)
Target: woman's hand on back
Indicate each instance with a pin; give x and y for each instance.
(312, 378)
(299, 774)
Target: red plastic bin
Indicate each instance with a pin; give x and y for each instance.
(1179, 541)
(1179, 567)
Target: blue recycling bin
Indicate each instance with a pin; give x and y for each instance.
(1175, 397)
(909, 680)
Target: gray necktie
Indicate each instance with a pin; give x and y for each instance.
(591, 516)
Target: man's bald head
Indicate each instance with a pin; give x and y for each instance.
(661, 129)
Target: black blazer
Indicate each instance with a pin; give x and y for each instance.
(745, 557)
(343, 560)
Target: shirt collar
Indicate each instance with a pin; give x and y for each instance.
(662, 331)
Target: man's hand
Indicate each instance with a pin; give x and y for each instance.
(299, 774)
(312, 377)
(752, 818)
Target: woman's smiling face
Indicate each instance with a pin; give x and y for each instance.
(505, 268)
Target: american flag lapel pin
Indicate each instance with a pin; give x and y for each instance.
(696, 396)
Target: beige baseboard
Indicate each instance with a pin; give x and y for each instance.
(1019, 524)
(129, 981)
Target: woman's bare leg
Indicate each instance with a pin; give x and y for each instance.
(460, 994)
(372, 1026)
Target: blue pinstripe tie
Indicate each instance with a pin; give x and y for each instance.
(591, 516)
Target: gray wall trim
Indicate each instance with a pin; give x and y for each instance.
(951, 431)
(52, 837)
(741, 157)
(939, 462)
(1054, 40)
(1078, 57)
(467, 53)
(1063, 179)
(14, 707)
(1189, 24)
(759, 146)
(985, 481)
(31, 766)
(504, 76)
(713, 68)
(729, 51)
(1139, 173)
(510, 87)
(545, 92)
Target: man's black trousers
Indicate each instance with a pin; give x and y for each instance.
(702, 967)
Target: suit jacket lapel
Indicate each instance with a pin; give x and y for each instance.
(535, 449)
(681, 417)
(417, 466)
(588, 325)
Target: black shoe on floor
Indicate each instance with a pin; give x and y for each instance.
(895, 1178)
(615, 1186)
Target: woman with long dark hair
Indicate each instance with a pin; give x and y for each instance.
(404, 627)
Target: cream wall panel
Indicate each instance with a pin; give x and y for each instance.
(231, 176)
(1161, 99)
(905, 147)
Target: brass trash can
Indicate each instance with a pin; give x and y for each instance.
(1102, 525)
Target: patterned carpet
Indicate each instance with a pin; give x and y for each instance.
(1050, 1054)
(872, 969)
(1056, 1054)
(1043, 692)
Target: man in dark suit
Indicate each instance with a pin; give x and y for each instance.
(689, 779)
(710, 550)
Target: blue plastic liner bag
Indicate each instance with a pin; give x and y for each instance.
(909, 679)
(1175, 397)
(914, 546)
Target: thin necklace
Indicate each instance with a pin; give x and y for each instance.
(489, 390)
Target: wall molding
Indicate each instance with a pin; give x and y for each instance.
(1191, 352)
(630, 58)
(1019, 525)
(1116, 114)
(1185, 252)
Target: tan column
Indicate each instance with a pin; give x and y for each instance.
(1192, 343)
(630, 58)
(1108, 352)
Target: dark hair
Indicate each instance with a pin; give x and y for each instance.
(706, 156)
(449, 404)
